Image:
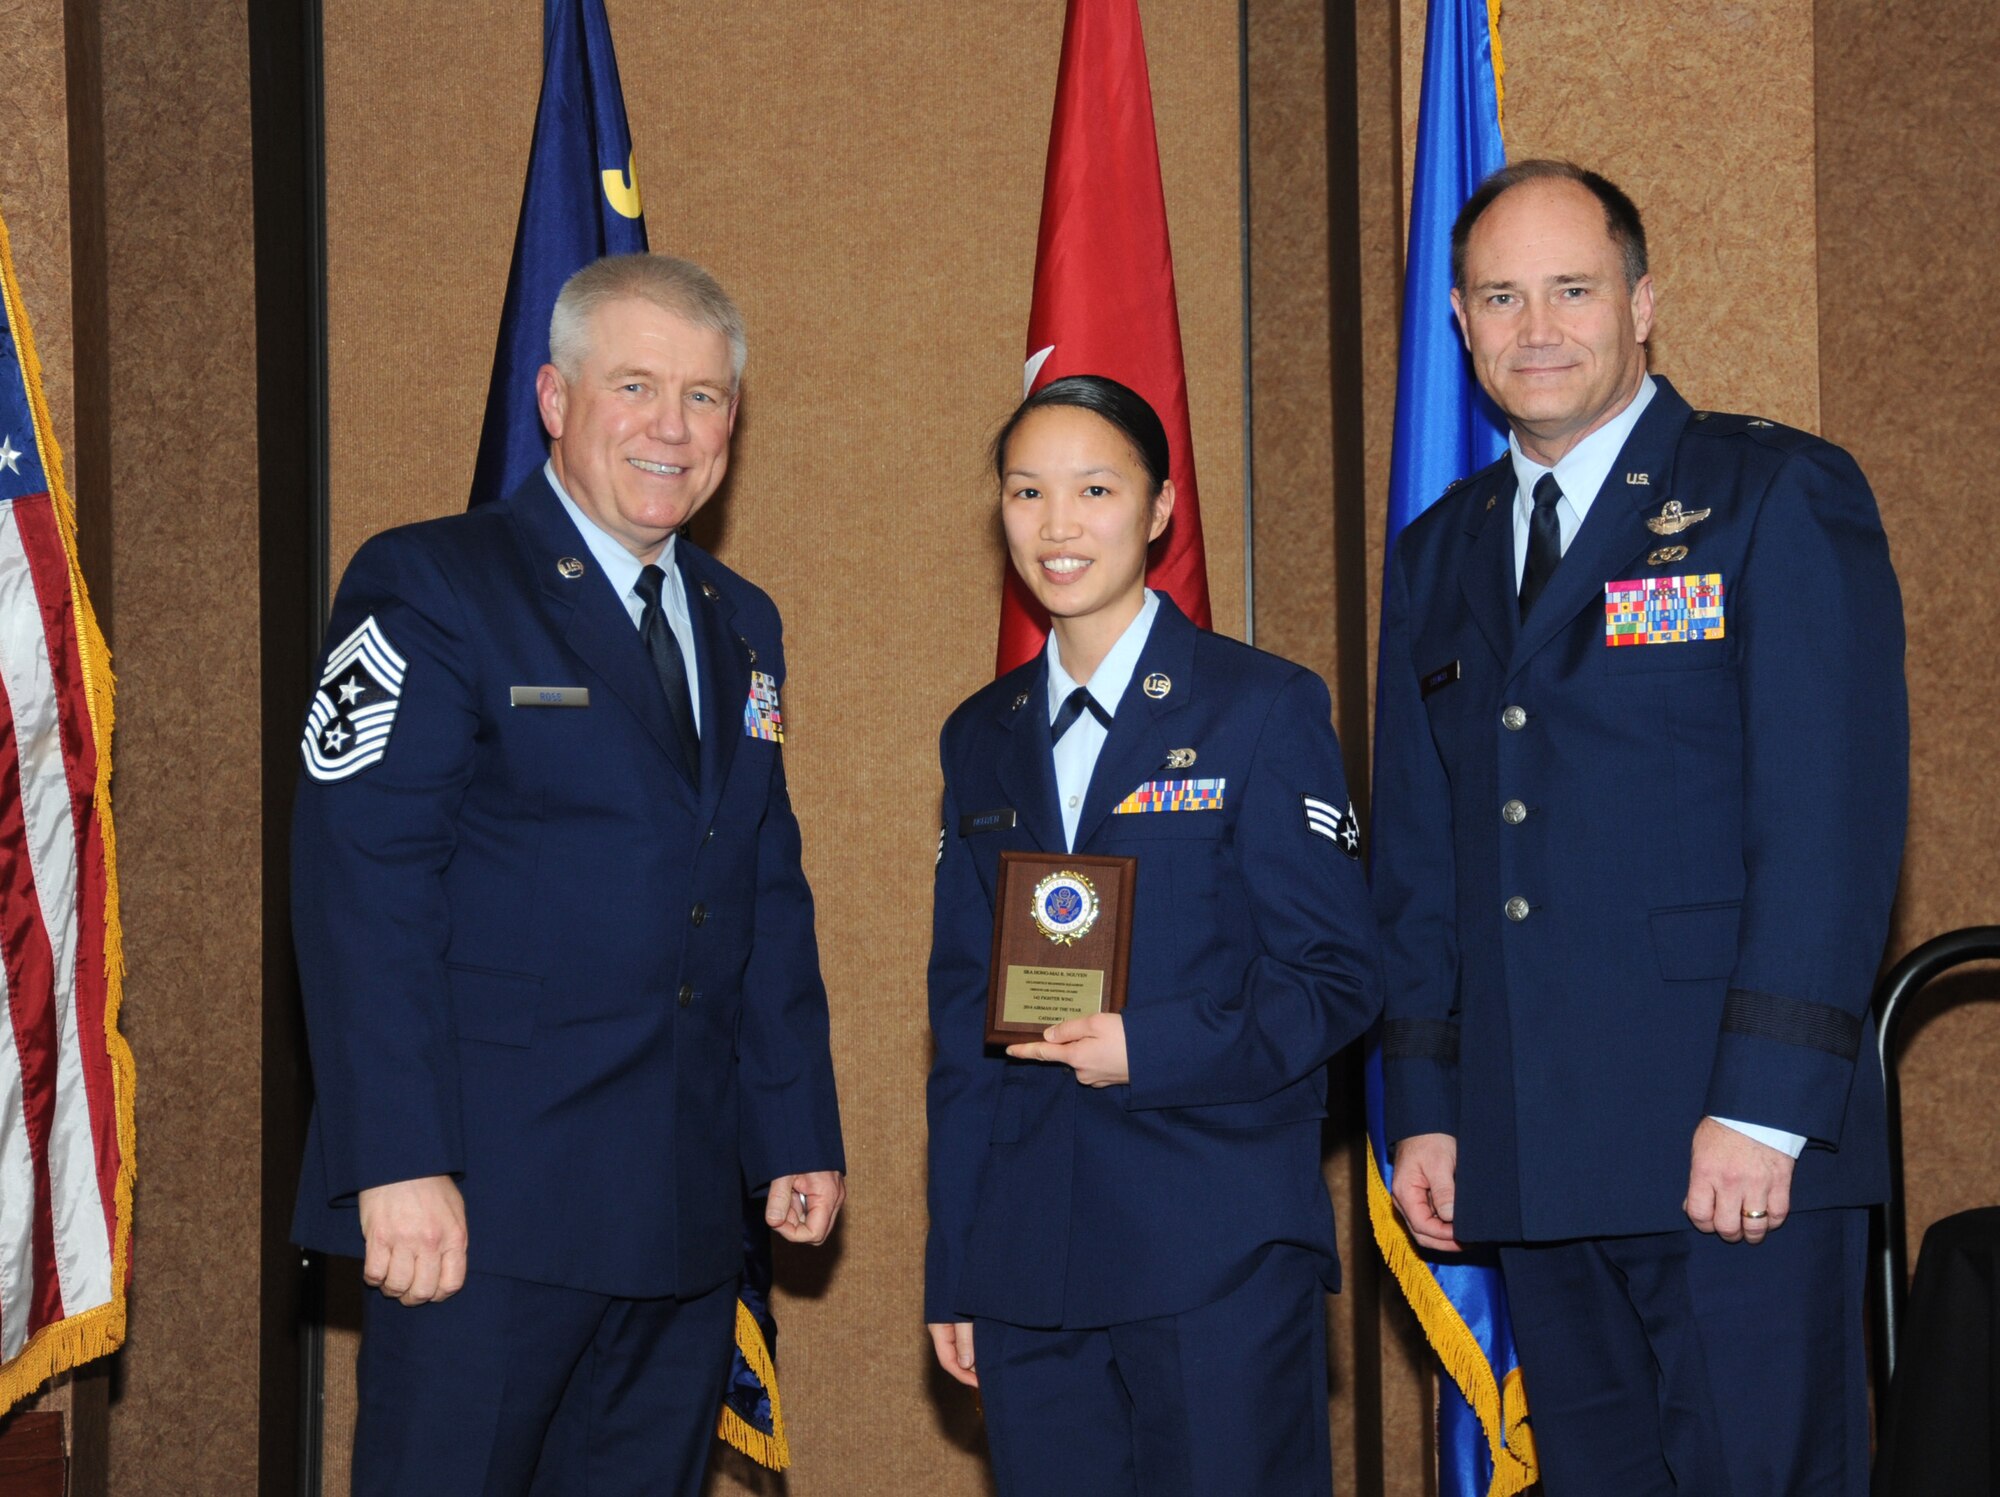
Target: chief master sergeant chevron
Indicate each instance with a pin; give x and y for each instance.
(1640, 798)
(560, 975)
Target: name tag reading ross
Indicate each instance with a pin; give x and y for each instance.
(548, 696)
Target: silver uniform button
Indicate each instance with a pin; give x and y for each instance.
(1513, 719)
(1517, 909)
(1513, 813)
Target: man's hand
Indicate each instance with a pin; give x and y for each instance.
(952, 1340)
(1731, 1180)
(1426, 1188)
(416, 1237)
(1093, 1047)
(801, 1208)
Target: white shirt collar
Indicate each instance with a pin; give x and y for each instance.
(621, 568)
(1583, 469)
(1114, 672)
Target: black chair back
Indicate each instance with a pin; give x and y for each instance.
(1922, 966)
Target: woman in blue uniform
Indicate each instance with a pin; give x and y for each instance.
(1130, 1237)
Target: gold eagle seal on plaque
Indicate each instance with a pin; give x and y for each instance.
(1065, 906)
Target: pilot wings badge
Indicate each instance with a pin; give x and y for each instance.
(1672, 519)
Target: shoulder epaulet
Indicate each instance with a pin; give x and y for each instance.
(1729, 424)
(1472, 478)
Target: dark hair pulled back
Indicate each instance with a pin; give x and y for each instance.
(1125, 409)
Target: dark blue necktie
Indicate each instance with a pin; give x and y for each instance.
(671, 668)
(1545, 542)
(1074, 706)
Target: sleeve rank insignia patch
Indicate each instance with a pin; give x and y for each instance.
(1663, 610)
(347, 727)
(762, 717)
(1341, 828)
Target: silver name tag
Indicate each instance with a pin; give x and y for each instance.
(548, 696)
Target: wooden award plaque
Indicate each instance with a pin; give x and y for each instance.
(1062, 941)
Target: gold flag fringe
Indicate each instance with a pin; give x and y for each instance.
(770, 1451)
(1502, 1405)
(98, 1331)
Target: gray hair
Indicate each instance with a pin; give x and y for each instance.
(677, 286)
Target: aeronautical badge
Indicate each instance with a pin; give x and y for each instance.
(1672, 519)
(1065, 906)
(762, 717)
(347, 728)
(1341, 828)
(1663, 610)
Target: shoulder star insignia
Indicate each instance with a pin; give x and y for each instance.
(1672, 519)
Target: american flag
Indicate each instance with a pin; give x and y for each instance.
(65, 1072)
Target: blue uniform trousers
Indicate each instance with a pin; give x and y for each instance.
(1227, 1398)
(512, 1387)
(1680, 1363)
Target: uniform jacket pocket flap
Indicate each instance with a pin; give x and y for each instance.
(498, 1007)
(1695, 942)
(1163, 824)
(1685, 655)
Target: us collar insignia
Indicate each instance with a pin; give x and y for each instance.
(1182, 758)
(708, 588)
(1672, 519)
(1019, 702)
(570, 567)
(1156, 685)
(1639, 480)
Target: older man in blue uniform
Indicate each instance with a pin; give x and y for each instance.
(1640, 802)
(556, 945)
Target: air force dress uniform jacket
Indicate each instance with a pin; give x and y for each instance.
(1635, 858)
(534, 956)
(1254, 959)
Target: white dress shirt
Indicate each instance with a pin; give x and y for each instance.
(1076, 755)
(1580, 473)
(621, 568)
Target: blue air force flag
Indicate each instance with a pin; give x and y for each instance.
(580, 203)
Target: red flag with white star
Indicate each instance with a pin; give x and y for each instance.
(1104, 284)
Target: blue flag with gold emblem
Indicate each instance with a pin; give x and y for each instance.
(581, 202)
(1446, 429)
